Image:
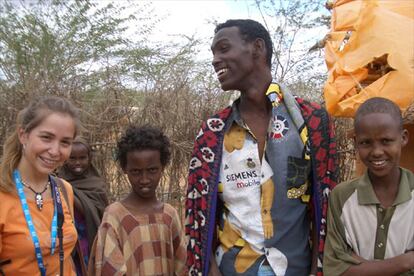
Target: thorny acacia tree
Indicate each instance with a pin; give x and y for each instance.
(84, 51)
(63, 48)
(81, 51)
(295, 26)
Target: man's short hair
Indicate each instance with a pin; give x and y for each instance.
(379, 105)
(250, 30)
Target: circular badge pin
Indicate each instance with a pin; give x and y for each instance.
(280, 127)
(250, 163)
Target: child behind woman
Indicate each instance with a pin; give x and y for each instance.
(140, 235)
(89, 194)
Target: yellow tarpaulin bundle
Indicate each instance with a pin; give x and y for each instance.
(369, 52)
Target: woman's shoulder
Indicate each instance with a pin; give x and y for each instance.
(10, 208)
(65, 188)
(8, 199)
(5, 193)
(62, 184)
(66, 184)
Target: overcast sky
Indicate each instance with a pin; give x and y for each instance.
(191, 17)
(195, 17)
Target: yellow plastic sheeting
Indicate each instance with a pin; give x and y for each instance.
(369, 52)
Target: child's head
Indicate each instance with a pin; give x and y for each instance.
(80, 157)
(143, 152)
(379, 136)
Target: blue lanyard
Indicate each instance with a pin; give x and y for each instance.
(30, 224)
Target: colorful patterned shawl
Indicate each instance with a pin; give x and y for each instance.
(201, 202)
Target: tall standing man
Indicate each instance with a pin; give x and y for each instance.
(261, 169)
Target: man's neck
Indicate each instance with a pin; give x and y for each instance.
(255, 110)
(253, 99)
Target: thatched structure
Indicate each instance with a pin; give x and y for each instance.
(409, 114)
(407, 158)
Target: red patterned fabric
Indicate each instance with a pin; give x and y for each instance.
(324, 164)
(203, 178)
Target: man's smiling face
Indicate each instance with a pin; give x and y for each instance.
(233, 60)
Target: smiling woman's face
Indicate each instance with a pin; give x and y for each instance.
(47, 145)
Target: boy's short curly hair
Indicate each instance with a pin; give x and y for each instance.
(143, 138)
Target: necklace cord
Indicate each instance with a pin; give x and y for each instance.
(29, 187)
(38, 195)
